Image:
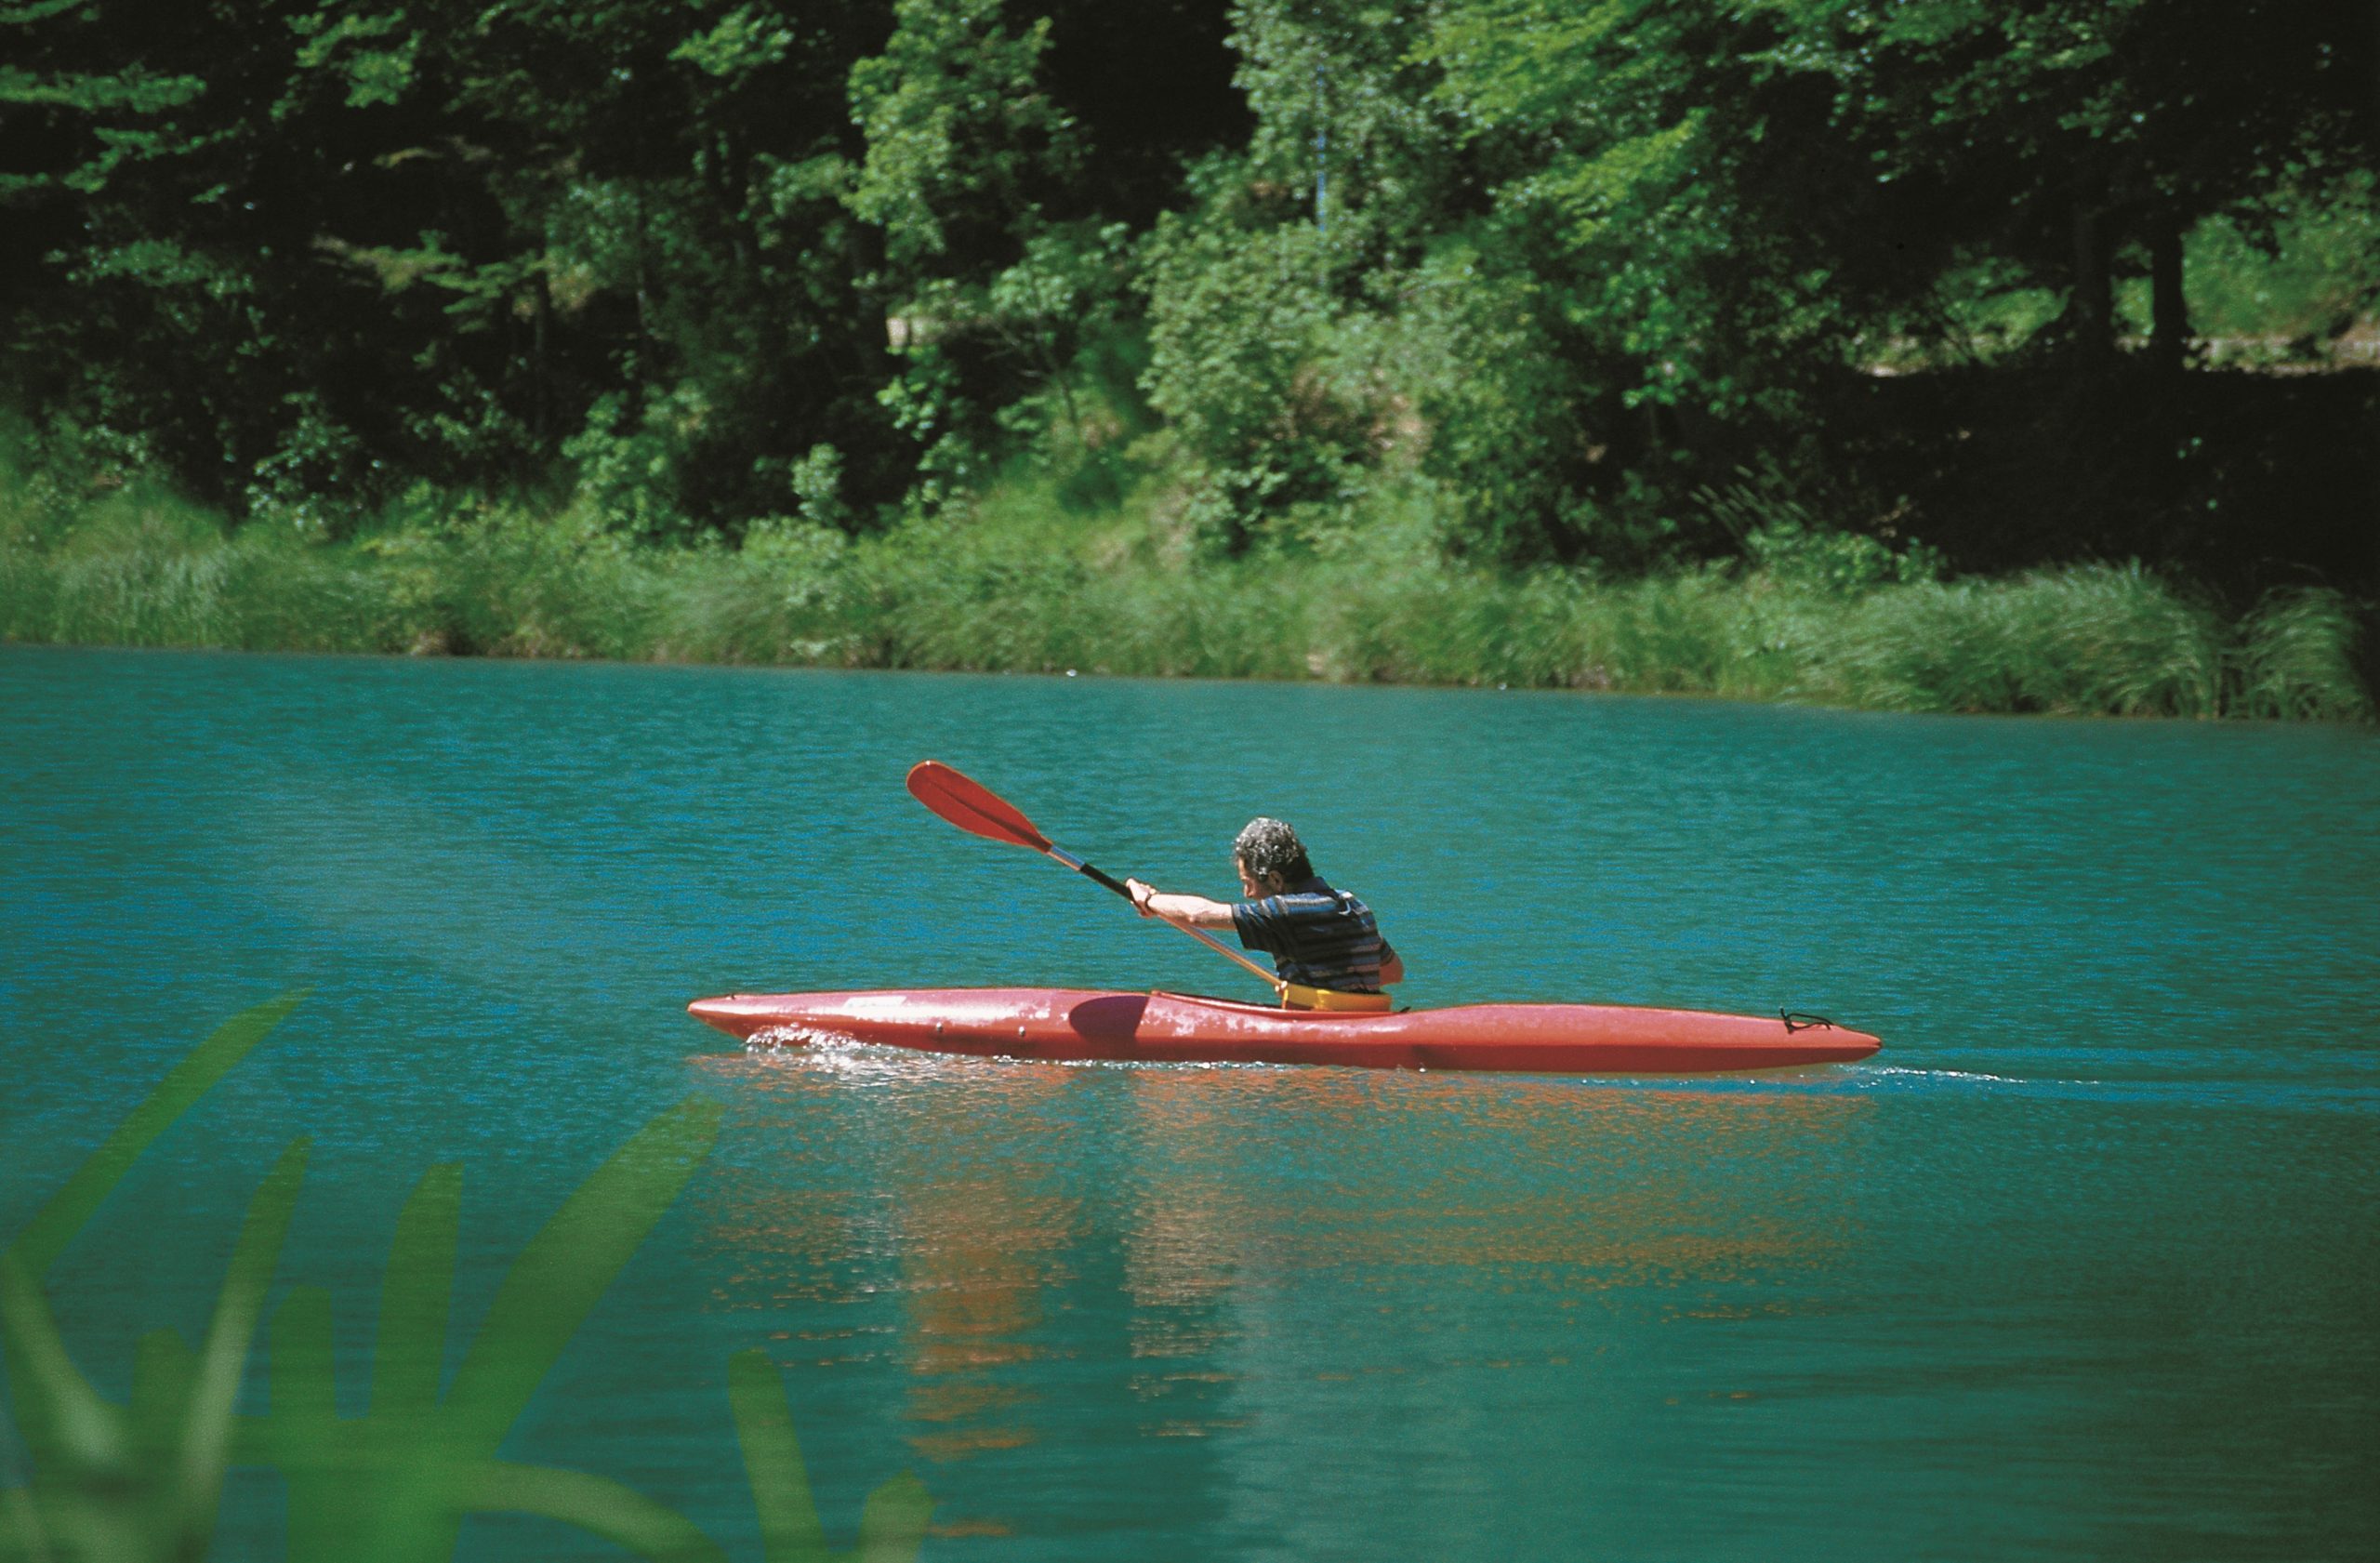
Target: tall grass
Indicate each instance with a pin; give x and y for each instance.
(2105, 640)
(141, 1480)
(1025, 593)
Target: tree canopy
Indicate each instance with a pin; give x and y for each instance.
(1590, 277)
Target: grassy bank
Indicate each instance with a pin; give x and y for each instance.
(1024, 589)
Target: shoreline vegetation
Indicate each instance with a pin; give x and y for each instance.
(1927, 357)
(1016, 584)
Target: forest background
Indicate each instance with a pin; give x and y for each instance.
(1940, 355)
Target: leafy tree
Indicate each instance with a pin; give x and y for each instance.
(1546, 272)
(2060, 132)
(966, 177)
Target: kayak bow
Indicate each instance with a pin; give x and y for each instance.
(1073, 1024)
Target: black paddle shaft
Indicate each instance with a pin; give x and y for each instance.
(1086, 871)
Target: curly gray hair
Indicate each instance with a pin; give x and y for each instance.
(1268, 846)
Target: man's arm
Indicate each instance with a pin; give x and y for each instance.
(1391, 966)
(1195, 910)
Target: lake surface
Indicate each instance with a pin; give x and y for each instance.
(2082, 1265)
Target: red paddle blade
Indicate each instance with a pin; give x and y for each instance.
(972, 806)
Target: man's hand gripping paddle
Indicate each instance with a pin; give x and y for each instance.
(980, 812)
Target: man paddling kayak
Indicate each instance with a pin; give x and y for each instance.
(1324, 942)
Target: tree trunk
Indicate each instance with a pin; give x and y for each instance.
(2169, 332)
(2093, 303)
(541, 404)
(642, 372)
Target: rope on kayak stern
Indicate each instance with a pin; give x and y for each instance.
(1795, 1020)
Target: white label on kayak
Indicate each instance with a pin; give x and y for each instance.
(876, 1006)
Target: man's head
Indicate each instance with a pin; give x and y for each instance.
(1270, 857)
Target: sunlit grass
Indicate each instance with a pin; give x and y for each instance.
(1028, 588)
(2294, 656)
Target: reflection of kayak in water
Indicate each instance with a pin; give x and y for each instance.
(1073, 1024)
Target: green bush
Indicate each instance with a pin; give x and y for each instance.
(2093, 638)
(2297, 660)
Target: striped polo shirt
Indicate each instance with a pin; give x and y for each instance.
(1316, 935)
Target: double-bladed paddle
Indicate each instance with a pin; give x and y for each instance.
(979, 811)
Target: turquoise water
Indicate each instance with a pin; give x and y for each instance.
(2082, 1265)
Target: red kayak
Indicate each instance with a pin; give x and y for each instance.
(1071, 1025)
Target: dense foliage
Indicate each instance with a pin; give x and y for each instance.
(1832, 618)
(1600, 285)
